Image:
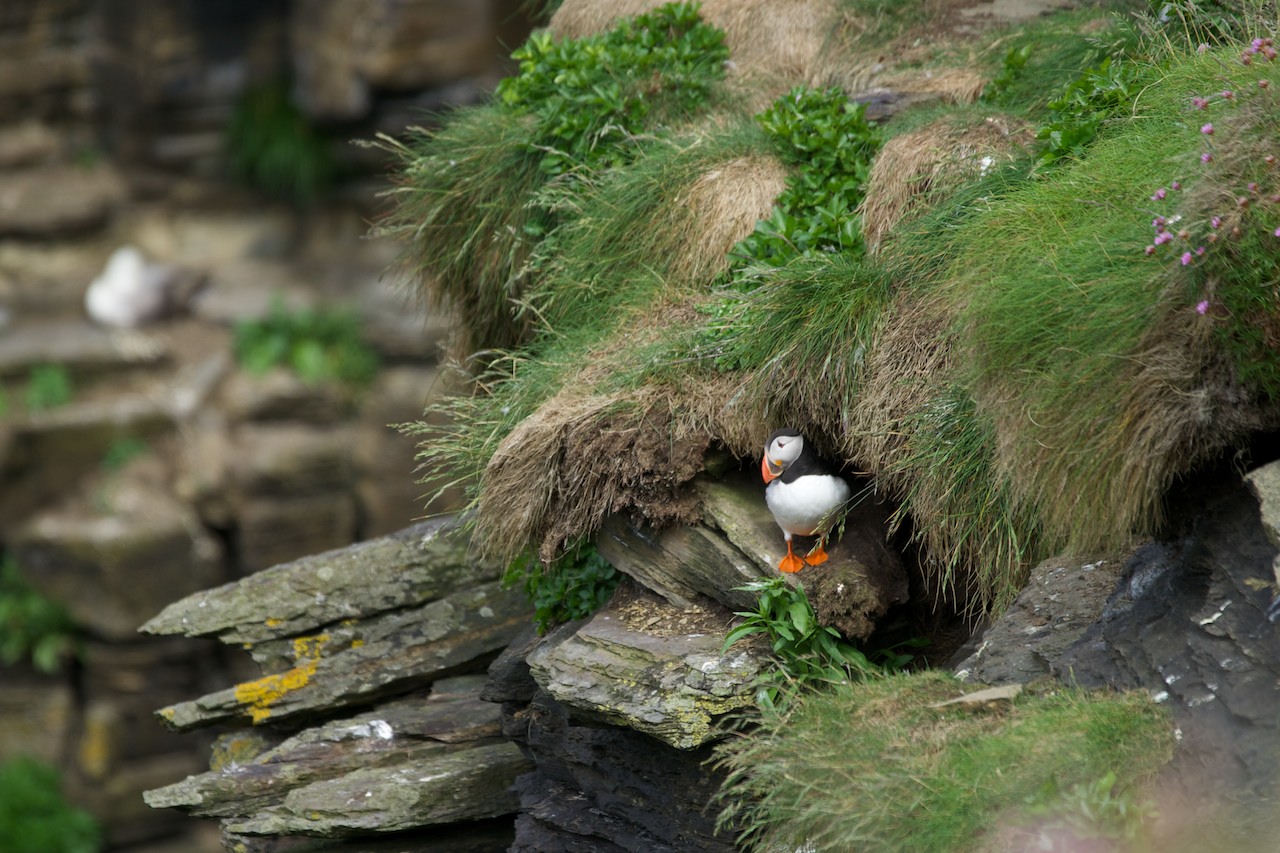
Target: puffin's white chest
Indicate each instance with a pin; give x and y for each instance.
(800, 507)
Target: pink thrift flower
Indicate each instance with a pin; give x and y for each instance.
(1278, 232)
(1256, 44)
(1186, 258)
(1242, 201)
(1158, 195)
(1245, 60)
(1202, 306)
(1215, 222)
(1270, 159)
(1263, 84)
(1175, 186)
(1162, 237)
(1200, 250)
(1269, 52)
(1150, 250)
(1202, 48)
(1158, 223)
(1207, 129)
(1252, 186)
(1200, 103)
(1228, 94)
(1206, 157)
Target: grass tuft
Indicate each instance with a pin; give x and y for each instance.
(872, 766)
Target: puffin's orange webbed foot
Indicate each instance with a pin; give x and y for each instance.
(791, 563)
(817, 556)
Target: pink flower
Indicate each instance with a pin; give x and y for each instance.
(1269, 52)
(1257, 44)
(1242, 201)
(1184, 234)
(1278, 232)
(1245, 59)
(1215, 222)
(1200, 103)
(1202, 306)
(1186, 258)
(1202, 48)
(1228, 94)
(1264, 84)
(1200, 250)
(1270, 159)
(1252, 186)
(1150, 250)
(1158, 223)
(1175, 186)
(1207, 129)
(1206, 157)
(1158, 195)
(1162, 237)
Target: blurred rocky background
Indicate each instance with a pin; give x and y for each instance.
(222, 402)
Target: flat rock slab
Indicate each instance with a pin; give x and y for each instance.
(413, 730)
(78, 346)
(454, 787)
(401, 652)
(415, 565)
(644, 664)
(56, 200)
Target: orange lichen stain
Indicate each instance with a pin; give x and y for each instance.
(260, 694)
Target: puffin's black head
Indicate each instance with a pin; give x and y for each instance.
(783, 447)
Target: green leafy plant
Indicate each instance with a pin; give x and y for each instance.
(576, 585)
(122, 452)
(809, 655)
(48, 387)
(319, 345)
(591, 96)
(271, 146)
(829, 141)
(34, 816)
(1076, 115)
(1015, 60)
(32, 627)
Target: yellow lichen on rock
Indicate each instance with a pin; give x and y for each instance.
(261, 693)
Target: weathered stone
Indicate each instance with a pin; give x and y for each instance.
(1188, 623)
(48, 201)
(47, 278)
(600, 788)
(287, 460)
(27, 143)
(416, 565)
(275, 530)
(413, 728)
(509, 677)
(644, 664)
(247, 290)
(280, 395)
(112, 572)
(1062, 598)
(401, 651)
(681, 563)
(493, 835)
(453, 787)
(82, 348)
(116, 801)
(343, 50)
(1264, 482)
(36, 715)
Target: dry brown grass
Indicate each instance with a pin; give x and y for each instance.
(913, 169)
(720, 208)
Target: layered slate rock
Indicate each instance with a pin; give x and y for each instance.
(643, 664)
(385, 633)
(426, 758)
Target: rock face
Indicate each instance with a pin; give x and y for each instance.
(595, 737)
(1185, 618)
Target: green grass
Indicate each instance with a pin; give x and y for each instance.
(32, 627)
(34, 815)
(871, 766)
(321, 345)
(272, 147)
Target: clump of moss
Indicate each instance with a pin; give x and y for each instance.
(880, 765)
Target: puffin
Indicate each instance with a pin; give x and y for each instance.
(802, 492)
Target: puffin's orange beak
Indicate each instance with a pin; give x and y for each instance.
(767, 469)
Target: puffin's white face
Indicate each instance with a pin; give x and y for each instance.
(780, 453)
